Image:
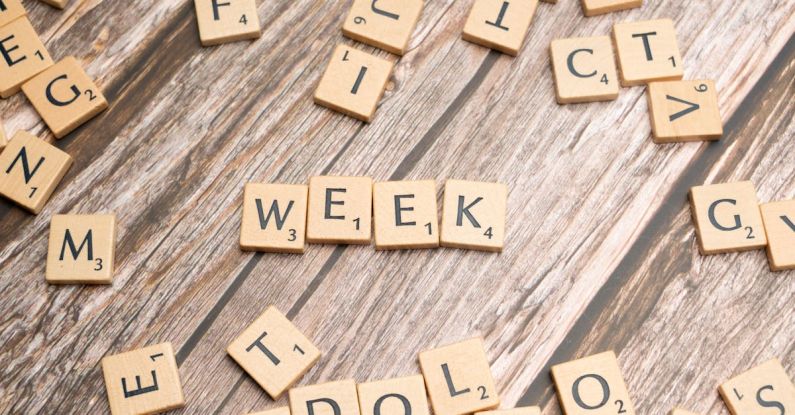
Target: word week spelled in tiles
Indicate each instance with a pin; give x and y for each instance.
(500, 24)
(353, 83)
(82, 249)
(592, 385)
(405, 215)
(473, 215)
(647, 51)
(727, 217)
(340, 210)
(144, 381)
(584, 69)
(23, 55)
(525, 410)
(764, 389)
(333, 398)
(779, 221)
(273, 352)
(282, 410)
(30, 169)
(684, 111)
(227, 21)
(11, 10)
(398, 396)
(274, 218)
(65, 96)
(385, 24)
(597, 7)
(459, 379)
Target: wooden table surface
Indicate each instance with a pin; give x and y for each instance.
(600, 253)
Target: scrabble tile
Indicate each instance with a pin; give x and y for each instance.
(273, 352)
(3, 139)
(677, 411)
(405, 215)
(459, 379)
(143, 381)
(473, 215)
(353, 83)
(727, 218)
(597, 7)
(333, 398)
(340, 210)
(284, 410)
(30, 169)
(24, 56)
(11, 10)
(592, 385)
(227, 21)
(684, 111)
(65, 96)
(647, 51)
(525, 410)
(385, 24)
(399, 396)
(779, 221)
(584, 69)
(59, 4)
(82, 249)
(274, 218)
(500, 24)
(764, 389)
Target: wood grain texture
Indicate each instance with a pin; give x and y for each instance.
(600, 249)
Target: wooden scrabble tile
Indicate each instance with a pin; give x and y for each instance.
(525, 410)
(677, 411)
(30, 169)
(592, 385)
(584, 69)
(459, 379)
(385, 24)
(473, 215)
(284, 410)
(779, 221)
(333, 398)
(727, 217)
(274, 218)
(65, 96)
(273, 352)
(143, 381)
(353, 83)
(340, 210)
(59, 4)
(597, 7)
(764, 389)
(500, 24)
(647, 51)
(399, 396)
(82, 249)
(3, 139)
(11, 10)
(24, 55)
(405, 215)
(684, 111)
(227, 21)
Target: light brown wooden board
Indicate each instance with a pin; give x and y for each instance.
(601, 252)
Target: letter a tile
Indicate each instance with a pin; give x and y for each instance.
(143, 381)
(764, 389)
(779, 220)
(227, 21)
(684, 111)
(592, 385)
(597, 7)
(283, 410)
(473, 215)
(500, 24)
(274, 218)
(727, 218)
(82, 249)
(405, 215)
(30, 169)
(647, 51)
(24, 55)
(525, 410)
(333, 398)
(353, 83)
(584, 69)
(10, 10)
(459, 379)
(273, 352)
(385, 24)
(340, 210)
(65, 96)
(398, 396)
